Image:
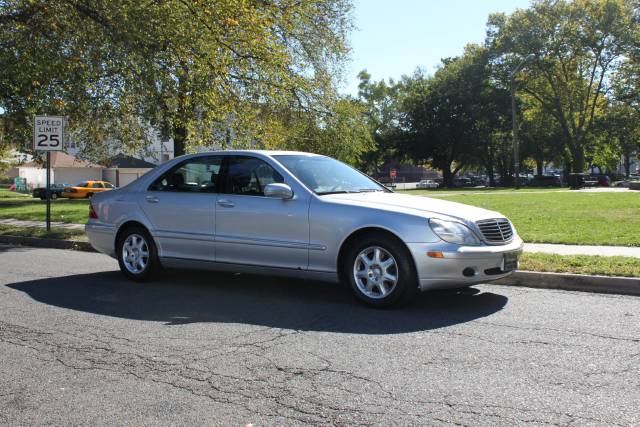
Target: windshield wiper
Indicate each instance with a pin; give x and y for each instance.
(324, 193)
(370, 190)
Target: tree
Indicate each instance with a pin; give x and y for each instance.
(380, 99)
(578, 45)
(622, 125)
(540, 135)
(192, 69)
(343, 134)
(448, 120)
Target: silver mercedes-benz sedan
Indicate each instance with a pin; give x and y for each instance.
(298, 214)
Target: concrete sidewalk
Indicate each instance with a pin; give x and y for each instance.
(583, 250)
(528, 247)
(24, 223)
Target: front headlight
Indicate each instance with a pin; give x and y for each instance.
(453, 232)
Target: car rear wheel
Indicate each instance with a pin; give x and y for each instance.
(54, 196)
(89, 195)
(137, 254)
(380, 271)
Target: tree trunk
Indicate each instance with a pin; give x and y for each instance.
(577, 164)
(567, 167)
(489, 167)
(577, 156)
(179, 140)
(447, 176)
(539, 167)
(627, 164)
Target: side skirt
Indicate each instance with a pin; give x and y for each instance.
(182, 263)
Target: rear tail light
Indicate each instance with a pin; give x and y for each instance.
(92, 212)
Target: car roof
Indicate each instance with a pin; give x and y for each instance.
(263, 152)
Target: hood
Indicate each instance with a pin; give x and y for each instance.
(424, 206)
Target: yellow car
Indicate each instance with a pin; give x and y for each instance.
(86, 189)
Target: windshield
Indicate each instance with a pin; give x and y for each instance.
(324, 175)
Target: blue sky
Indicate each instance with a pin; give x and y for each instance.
(393, 37)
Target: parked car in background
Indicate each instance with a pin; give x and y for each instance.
(546, 181)
(579, 180)
(302, 215)
(603, 180)
(462, 182)
(427, 183)
(86, 189)
(55, 189)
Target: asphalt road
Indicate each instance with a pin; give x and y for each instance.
(81, 345)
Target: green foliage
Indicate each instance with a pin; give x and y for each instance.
(191, 69)
(380, 100)
(343, 134)
(451, 119)
(578, 46)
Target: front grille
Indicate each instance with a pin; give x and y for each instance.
(495, 230)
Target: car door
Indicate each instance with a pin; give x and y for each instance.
(96, 187)
(257, 230)
(180, 205)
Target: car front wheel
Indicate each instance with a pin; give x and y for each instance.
(380, 271)
(137, 254)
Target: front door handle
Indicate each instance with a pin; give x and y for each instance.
(226, 203)
(152, 199)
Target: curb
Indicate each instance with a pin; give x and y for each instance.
(573, 282)
(527, 279)
(38, 242)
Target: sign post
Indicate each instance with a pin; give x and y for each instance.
(48, 136)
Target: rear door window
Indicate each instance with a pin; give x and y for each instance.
(199, 175)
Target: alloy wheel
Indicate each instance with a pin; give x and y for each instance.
(375, 272)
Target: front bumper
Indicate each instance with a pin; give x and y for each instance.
(440, 273)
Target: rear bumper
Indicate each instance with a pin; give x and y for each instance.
(447, 272)
(102, 237)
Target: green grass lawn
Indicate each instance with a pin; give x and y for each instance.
(581, 264)
(563, 217)
(55, 233)
(13, 205)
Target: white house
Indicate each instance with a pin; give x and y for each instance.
(65, 169)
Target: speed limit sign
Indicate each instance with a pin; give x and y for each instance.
(48, 133)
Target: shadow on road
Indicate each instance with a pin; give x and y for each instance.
(187, 297)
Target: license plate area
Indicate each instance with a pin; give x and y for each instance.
(510, 261)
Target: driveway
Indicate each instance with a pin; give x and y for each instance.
(81, 345)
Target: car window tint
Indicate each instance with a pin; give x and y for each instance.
(199, 175)
(249, 175)
(96, 185)
(83, 184)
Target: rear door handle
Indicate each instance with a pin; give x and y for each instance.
(152, 199)
(226, 203)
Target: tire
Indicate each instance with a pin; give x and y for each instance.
(54, 196)
(387, 258)
(133, 263)
(89, 195)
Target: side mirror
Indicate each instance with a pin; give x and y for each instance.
(278, 190)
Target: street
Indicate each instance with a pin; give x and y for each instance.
(79, 344)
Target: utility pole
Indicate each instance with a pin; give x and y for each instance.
(514, 124)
